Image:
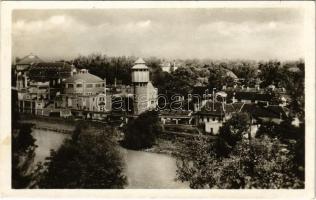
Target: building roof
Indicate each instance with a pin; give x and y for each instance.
(29, 59)
(140, 64)
(44, 71)
(86, 77)
(218, 110)
(253, 96)
(51, 65)
(175, 113)
(231, 74)
(294, 69)
(256, 111)
(140, 61)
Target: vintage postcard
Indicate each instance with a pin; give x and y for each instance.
(158, 99)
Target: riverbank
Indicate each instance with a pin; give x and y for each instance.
(163, 145)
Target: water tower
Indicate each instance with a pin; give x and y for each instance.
(140, 79)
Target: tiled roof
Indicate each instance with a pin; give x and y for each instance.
(176, 112)
(231, 74)
(208, 109)
(50, 65)
(139, 61)
(253, 96)
(140, 64)
(87, 77)
(49, 70)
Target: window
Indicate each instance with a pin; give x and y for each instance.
(70, 85)
(213, 118)
(79, 85)
(89, 85)
(101, 99)
(103, 84)
(97, 85)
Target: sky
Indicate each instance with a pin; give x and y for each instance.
(211, 33)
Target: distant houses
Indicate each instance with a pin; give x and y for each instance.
(169, 66)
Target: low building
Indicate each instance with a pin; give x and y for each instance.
(169, 66)
(212, 116)
(176, 117)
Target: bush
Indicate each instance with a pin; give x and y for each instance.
(142, 132)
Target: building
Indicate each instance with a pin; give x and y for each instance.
(169, 66)
(212, 115)
(22, 68)
(145, 94)
(184, 117)
(42, 83)
(86, 92)
(51, 74)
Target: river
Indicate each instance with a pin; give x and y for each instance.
(144, 170)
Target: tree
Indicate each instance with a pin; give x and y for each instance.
(142, 131)
(85, 161)
(23, 152)
(184, 79)
(263, 163)
(293, 137)
(232, 132)
(295, 86)
(245, 70)
(273, 73)
(218, 78)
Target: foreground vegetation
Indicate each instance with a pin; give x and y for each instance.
(23, 153)
(235, 160)
(84, 161)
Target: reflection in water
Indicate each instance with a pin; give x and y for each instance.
(143, 169)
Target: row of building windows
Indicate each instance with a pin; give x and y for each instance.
(89, 85)
(140, 70)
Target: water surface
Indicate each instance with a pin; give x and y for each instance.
(144, 170)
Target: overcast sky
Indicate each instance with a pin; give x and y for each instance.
(170, 33)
